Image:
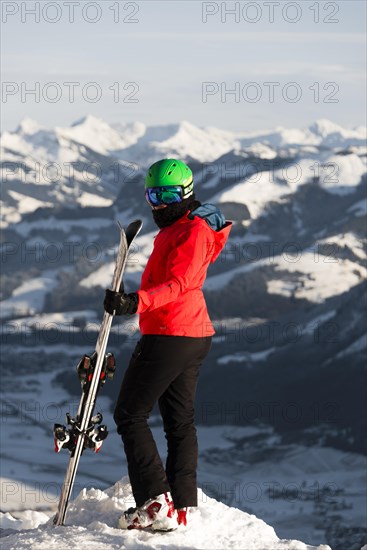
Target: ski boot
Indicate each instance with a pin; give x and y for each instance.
(157, 513)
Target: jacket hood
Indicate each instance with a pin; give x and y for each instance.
(217, 222)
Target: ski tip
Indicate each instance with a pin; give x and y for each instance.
(132, 230)
(136, 223)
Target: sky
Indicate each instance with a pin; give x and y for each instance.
(239, 66)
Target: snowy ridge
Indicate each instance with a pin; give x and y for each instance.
(77, 165)
(183, 139)
(94, 515)
(321, 132)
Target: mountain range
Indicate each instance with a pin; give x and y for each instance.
(287, 296)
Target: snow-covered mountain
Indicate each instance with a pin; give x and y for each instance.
(287, 295)
(69, 165)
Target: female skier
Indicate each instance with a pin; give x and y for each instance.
(176, 337)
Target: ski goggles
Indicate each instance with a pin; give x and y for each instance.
(167, 194)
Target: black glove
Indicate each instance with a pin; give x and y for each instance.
(119, 303)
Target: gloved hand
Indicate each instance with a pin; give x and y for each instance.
(119, 303)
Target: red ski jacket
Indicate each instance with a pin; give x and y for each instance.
(170, 297)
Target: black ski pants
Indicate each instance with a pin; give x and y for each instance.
(164, 369)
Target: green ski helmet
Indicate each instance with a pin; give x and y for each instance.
(170, 173)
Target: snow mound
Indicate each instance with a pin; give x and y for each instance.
(94, 515)
(30, 519)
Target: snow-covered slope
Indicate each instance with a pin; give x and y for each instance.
(316, 278)
(94, 517)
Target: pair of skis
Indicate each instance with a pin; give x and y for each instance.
(86, 430)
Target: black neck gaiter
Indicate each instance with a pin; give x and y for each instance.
(173, 212)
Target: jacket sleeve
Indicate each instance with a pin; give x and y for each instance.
(191, 255)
